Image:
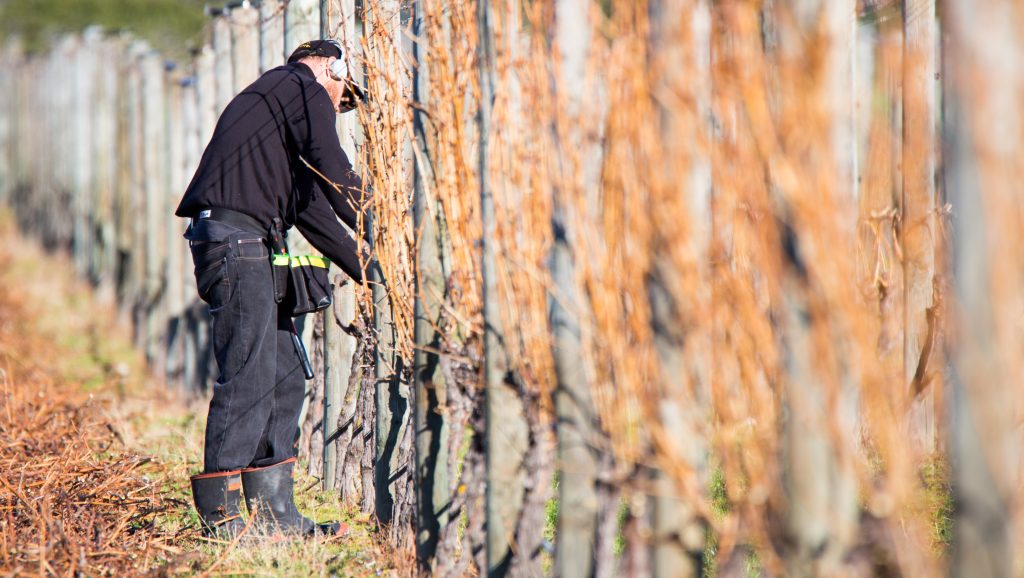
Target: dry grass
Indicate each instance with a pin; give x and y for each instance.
(75, 499)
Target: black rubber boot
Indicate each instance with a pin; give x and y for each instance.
(218, 498)
(269, 493)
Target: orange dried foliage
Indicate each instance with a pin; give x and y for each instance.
(72, 500)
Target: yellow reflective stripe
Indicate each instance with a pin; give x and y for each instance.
(300, 260)
(310, 261)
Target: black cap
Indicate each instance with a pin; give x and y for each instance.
(327, 48)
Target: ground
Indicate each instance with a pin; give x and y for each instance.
(95, 453)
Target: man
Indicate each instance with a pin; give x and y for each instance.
(250, 175)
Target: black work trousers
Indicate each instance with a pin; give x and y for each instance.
(258, 395)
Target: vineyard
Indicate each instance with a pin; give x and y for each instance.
(666, 287)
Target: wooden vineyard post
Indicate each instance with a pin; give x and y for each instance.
(301, 23)
(50, 181)
(154, 189)
(223, 73)
(383, 38)
(430, 424)
(506, 434)
(191, 150)
(105, 145)
(19, 109)
(176, 247)
(578, 434)
(82, 117)
(333, 362)
(820, 520)
(245, 46)
(8, 98)
(201, 372)
(206, 96)
(682, 61)
(126, 205)
(271, 34)
(337, 17)
(982, 129)
(920, 32)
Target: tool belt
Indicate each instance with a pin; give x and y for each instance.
(301, 283)
(233, 218)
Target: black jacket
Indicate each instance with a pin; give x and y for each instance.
(252, 164)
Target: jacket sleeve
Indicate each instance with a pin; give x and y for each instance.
(318, 224)
(317, 141)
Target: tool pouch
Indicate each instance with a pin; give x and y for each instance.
(301, 283)
(308, 284)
